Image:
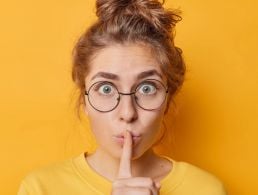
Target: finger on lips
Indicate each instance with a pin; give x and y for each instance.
(125, 178)
(125, 161)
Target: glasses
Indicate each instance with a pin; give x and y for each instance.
(149, 95)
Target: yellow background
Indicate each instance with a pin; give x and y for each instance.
(217, 110)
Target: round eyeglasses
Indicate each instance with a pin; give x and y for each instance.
(149, 95)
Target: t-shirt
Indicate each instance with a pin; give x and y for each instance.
(76, 177)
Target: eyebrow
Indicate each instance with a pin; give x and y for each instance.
(112, 76)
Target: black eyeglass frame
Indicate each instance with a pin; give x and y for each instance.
(131, 93)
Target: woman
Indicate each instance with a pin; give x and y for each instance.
(128, 71)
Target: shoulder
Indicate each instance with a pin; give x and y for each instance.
(187, 178)
(204, 181)
(35, 182)
(55, 169)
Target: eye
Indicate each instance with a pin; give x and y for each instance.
(147, 89)
(105, 88)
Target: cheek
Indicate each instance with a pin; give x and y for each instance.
(97, 120)
(152, 117)
(151, 123)
(99, 124)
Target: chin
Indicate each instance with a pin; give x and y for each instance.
(139, 153)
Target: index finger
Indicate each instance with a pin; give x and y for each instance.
(125, 160)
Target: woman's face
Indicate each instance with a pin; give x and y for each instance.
(124, 67)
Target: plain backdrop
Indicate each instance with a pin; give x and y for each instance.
(214, 125)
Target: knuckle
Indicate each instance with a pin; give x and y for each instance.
(144, 186)
(117, 191)
(147, 191)
(143, 191)
(116, 184)
(149, 182)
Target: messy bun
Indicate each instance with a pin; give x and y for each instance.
(152, 12)
(143, 22)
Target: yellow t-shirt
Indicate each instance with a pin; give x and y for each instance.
(76, 177)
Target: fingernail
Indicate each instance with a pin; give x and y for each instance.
(158, 185)
(126, 134)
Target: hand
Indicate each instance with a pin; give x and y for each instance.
(126, 184)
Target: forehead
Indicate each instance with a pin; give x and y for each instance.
(125, 61)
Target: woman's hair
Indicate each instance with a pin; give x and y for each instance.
(142, 22)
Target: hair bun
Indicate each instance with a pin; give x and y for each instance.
(151, 11)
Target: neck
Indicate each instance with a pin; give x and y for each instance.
(109, 169)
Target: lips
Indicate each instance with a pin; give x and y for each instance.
(133, 135)
(120, 139)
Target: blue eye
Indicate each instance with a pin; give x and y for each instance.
(147, 89)
(104, 88)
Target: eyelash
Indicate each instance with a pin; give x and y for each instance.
(96, 88)
(148, 83)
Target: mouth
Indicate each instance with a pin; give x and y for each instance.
(120, 140)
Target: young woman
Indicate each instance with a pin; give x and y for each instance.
(128, 70)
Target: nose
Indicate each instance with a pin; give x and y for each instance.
(127, 108)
